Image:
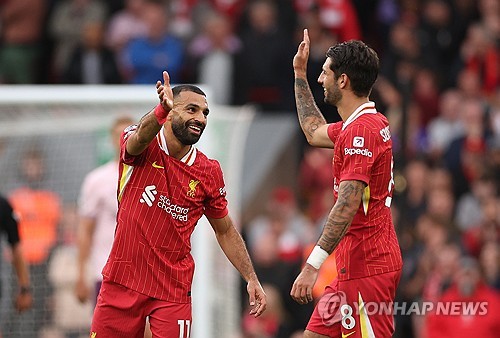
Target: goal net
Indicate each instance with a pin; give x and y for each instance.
(68, 127)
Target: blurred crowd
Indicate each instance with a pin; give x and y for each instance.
(439, 86)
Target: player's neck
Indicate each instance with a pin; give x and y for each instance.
(348, 105)
(176, 148)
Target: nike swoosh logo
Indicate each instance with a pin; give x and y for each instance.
(157, 166)
(347, 335)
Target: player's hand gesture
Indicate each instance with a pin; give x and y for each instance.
(165, 92)
(256, 297)
(300, 59)
(303, 285)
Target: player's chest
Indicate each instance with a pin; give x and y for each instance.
(172, 181)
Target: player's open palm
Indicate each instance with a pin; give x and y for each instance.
(300, 59)
(165, 92)
(256, 297)
(303, 285)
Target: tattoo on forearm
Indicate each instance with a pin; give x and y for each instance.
(310, 117)
(340, 218)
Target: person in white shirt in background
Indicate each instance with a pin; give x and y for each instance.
(97, 208)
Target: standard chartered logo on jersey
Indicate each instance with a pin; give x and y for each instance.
(176, 211)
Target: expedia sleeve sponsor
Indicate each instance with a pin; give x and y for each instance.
(176, 211)
(357, 151)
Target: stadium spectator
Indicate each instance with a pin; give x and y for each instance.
(91, 62)
(359, 227)
(212, 53)
(469, 212)
(283, 219)
(145, 57)
(480, 55)
(489, 260)
(425, 95)
(39, 213)
(412, 201)
(126, 25)
(486, 230)
(338, 16)
(261, 78)
(8, 226)
(440, 33)
(166, 186)
(468, 289)
(22, 23)
(315, 177)
(464, 157)
(66, 26)
(447, 126)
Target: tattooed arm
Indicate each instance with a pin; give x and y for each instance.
(342, 214)
(337, 224)
(311, 120)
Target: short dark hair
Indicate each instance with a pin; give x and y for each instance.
(358, 61)
(187, 88)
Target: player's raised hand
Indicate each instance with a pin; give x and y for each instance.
(300, 59)
(256, 297)
(165, 92)
(303, 285)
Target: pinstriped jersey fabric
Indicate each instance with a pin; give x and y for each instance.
(363, 152)
(160, 201)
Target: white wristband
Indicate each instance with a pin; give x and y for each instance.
(317, 257)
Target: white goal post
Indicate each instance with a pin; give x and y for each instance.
(70, 123)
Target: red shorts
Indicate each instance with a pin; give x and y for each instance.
(121, 312)
(357, 308)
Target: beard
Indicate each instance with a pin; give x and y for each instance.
(333, 97)
(183, 134)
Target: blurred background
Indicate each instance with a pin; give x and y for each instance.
(438, 86)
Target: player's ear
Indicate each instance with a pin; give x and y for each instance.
(343, 80)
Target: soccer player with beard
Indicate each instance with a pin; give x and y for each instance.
(359, 227)
(165, 186)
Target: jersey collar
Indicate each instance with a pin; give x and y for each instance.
(365, 108)
(187, 159)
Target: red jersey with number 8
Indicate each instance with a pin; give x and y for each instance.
(363, 152)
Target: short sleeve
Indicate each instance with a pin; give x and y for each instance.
(124, 156)
(216, 203)
(88, 201)
(334, 130)
(359, 151)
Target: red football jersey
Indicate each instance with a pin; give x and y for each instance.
(363, 152)
(160, 201)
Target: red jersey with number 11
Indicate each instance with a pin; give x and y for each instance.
(160, 201)
(363, 152)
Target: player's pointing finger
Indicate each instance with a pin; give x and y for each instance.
(166, 78)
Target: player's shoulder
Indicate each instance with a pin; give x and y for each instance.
(205, 161)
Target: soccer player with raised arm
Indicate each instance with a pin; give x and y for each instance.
(359, 227)
(165, 186)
